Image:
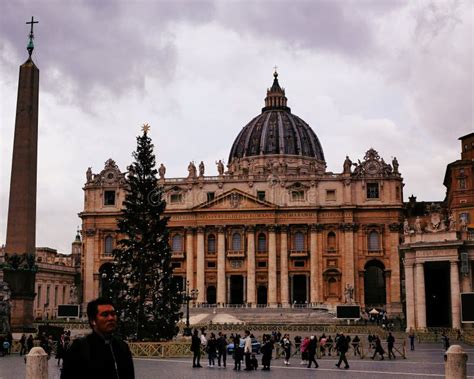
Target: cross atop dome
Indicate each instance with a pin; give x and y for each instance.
(276, 98)
(31, 46)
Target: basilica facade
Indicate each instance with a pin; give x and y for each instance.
(273, 228)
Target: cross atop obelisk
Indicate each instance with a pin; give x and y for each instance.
(31, 46)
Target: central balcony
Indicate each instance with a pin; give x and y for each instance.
(235, 254)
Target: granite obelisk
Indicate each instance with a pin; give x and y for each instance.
(19, 266)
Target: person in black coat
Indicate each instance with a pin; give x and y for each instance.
(312, 346)
(221, 349)
(342, 346)
(378, 348)
(196, 349)
(100, 354)
(266, 350)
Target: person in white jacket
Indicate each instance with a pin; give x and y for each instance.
(247, 350)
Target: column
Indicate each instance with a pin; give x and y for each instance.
(349, 262)
(314, 290)
(221, 284)
(251, 290)
(284, 266)
(395, 304)
(420, 296)
(410, 295)
(455, 295)
(245, 289)
(190, 257)
(272, 267)
(200, 274)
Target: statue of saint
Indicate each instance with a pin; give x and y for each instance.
(406, 227)
(418, 225)
(348, 293)
(347, 165)
(162, 171)
(452, 222)
(395, 165)
(201, 168)
(89, 174)
(5, 308)
(220, 167)
(73, 298)
(191, 170)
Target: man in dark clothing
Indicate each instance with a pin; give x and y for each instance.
(312, 346)
(390, 343)
(196, 349)
(342, 346)
(100, 354)
(221, 349)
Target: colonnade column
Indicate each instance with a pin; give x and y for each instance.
(455, 295)
(200, 274)
(272, 267)
(313, 265)
(409, 293)
(190, 257)
(284, 266)
(420, 296)
(221, 284)
(251, 291)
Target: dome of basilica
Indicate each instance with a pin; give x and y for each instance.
(276, 131)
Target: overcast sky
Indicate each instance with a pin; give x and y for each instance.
(393, 75)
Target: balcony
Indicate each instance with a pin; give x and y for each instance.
(298, 253)
(177, 254)
(235, 254)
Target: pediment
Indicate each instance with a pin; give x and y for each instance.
(235, 199)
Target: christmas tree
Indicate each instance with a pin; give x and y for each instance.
(141, 285)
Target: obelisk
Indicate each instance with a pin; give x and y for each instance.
(20, 268)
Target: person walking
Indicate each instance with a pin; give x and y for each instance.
(304, 350)
(311, 351)
(342, 346)
(23, 348)
(211, 350)
(286, 344)
(100, 354)
(390, 343)
(221, 350)
(266, 350)
(356, 345)
(445, 341)
(29, 343)
(248, 350)
(196, 349)
(378, 348)
(238, 353)
(411, 336)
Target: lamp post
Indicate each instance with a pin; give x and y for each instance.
(188, 295)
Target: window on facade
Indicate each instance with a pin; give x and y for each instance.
(262, 243)
(236, 242)
(261, 264)
(211, 264)
(211, 243)
(374, 241)
(56, 296)
(397, 192)
(330, 195)
(299, 241)
(176, 264)
(332, 287)
(297, 195)
(261, 195)
(176, 198)
(331, 241)
(462, 183)
(464, 218)
(299, 264)
(64, 295)
(109, 197)
(372, 190)
(177, 243)
(210, 196)
(39, 296)
(47, 294)
(109, 245)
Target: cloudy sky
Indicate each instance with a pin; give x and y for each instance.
(393, 75)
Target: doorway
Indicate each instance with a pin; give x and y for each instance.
(262, 295)
(299, 295)
(437, 292)
(211, 295)
(236, 289)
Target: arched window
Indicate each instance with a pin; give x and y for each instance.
(109, 245)
(374, 283)
(299, 241)
(331, 241)
(236, 242)
(211, 243)
(374, 241)
(177, 243)
(262, 243)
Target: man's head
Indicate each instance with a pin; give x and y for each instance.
(102, 316)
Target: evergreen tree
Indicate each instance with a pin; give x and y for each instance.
(147, 300)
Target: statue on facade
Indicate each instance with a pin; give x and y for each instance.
(5, 308)
(162, 171)
(201, 168)
(452, 222)
(349, 293)
(395, 165)
(406, 227)
(89, 175)
(220, 167)
(347, 165)
(73, 295)
(191, 170)
(418, 225)
(462, 224)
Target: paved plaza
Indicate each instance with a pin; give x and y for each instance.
(425, 362)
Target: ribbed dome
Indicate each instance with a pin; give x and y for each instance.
(276, 131)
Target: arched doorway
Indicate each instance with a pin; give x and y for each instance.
(236, 289)
(374, 284)
(262, 295)
(299, 295)
(105, 279)
(437, 294)
(211, 295)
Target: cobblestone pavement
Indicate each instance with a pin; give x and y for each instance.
(426, 362)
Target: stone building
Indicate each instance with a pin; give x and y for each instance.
(438, 248)
(275, 228)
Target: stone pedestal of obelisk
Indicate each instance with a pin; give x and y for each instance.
(19, 267)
